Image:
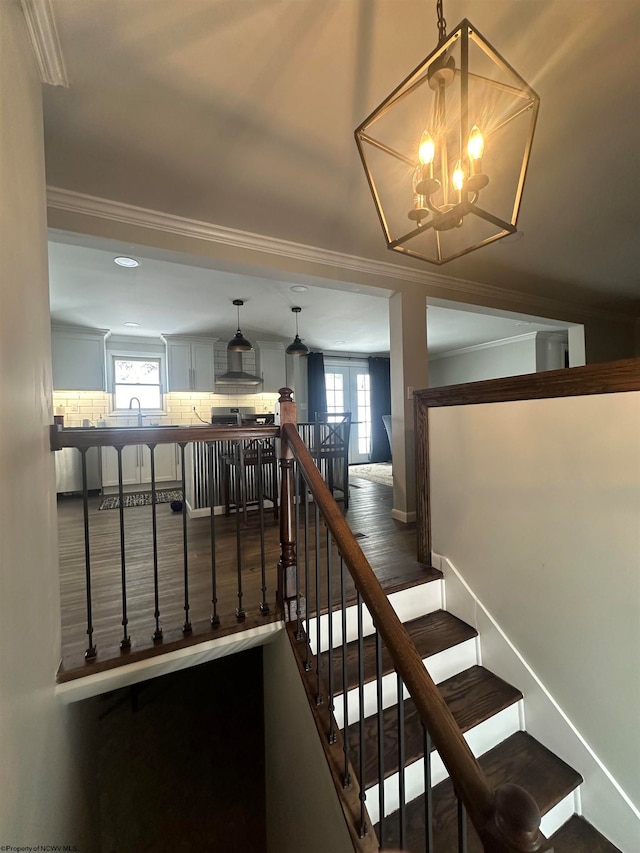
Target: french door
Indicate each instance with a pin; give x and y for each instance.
(348, 390)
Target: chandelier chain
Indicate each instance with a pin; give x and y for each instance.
(442, 24)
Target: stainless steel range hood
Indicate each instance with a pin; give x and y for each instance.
(235, 375)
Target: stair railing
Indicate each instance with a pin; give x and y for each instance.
(221, 464)
(506, 819)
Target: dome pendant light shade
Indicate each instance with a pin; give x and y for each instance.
(297, 347)
(446, 153)
(238, 342)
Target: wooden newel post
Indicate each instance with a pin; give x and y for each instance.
(287, 565)
(515, 823)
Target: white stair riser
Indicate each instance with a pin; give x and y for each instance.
(560, 813)
(480, 738)
(408, 603)
(440, 666)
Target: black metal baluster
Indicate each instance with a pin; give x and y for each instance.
(91, 651)
(381, 805)
(240, 614)
(125, 642)
(296, 504)
(402, 815)
(462, 827)
(363, 825)
(346, 779)
(210, 451)
(186, 628)
(307, 661)
(428, 793)
(332, 730)
(264, 607)
(157, 634)
(318, 626)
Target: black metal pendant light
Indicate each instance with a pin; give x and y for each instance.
(238, 342)
(446, 153)
(296, 347)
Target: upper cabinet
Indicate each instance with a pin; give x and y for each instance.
(189, 363)
(271, 365)
(78, 358)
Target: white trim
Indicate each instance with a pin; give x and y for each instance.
(123, 676)
(404, 517)
(43, 35)
(577, 751)
(528, 336)
(87, 205)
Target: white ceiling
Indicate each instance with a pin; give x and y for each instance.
(241, 113)
(89, 289)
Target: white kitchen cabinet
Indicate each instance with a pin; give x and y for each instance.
(190, 363)
(136, 465)
(78, 358)
(271, 365)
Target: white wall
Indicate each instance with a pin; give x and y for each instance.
(42, 798)
(303, 811)
(537, 504)
(487, 361)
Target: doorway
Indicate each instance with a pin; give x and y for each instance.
(348, 390)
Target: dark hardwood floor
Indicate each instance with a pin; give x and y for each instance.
(389, 546)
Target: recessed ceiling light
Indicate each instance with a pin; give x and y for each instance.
(299, 288)
(133, 325)
(126, 262)
(340, 342)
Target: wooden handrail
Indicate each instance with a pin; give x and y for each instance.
(610, 377)
(496, 828)
(117, 436)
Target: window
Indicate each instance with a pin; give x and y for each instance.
(348, 390)
(335, 392)
(363, 413)
(137, 377)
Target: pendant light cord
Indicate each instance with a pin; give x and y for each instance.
(442, 24)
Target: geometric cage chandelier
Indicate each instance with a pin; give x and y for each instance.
(446, 153)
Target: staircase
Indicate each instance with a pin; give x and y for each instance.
(489, 711)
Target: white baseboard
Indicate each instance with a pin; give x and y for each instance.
(604, 803)
(404, 517)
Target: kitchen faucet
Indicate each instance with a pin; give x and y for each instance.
(139, 409)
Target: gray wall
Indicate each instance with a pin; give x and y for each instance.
(303, 812)
(500, 358)
(42, 788)
(537, 504)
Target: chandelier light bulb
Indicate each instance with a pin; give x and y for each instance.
(475, 145)
(458, 177)
(427, 149)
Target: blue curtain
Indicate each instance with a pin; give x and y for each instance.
(316, 388)
(380, 385)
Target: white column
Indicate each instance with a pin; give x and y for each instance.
(408, 328)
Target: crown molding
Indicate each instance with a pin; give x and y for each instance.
(516, 339)
(43, 35)
(448, 286)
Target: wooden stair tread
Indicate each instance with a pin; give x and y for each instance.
(473, 696)
(577, 836)
(519, 759)
(407, 578)
(431, 634)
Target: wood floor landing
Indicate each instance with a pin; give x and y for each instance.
(389, 545)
